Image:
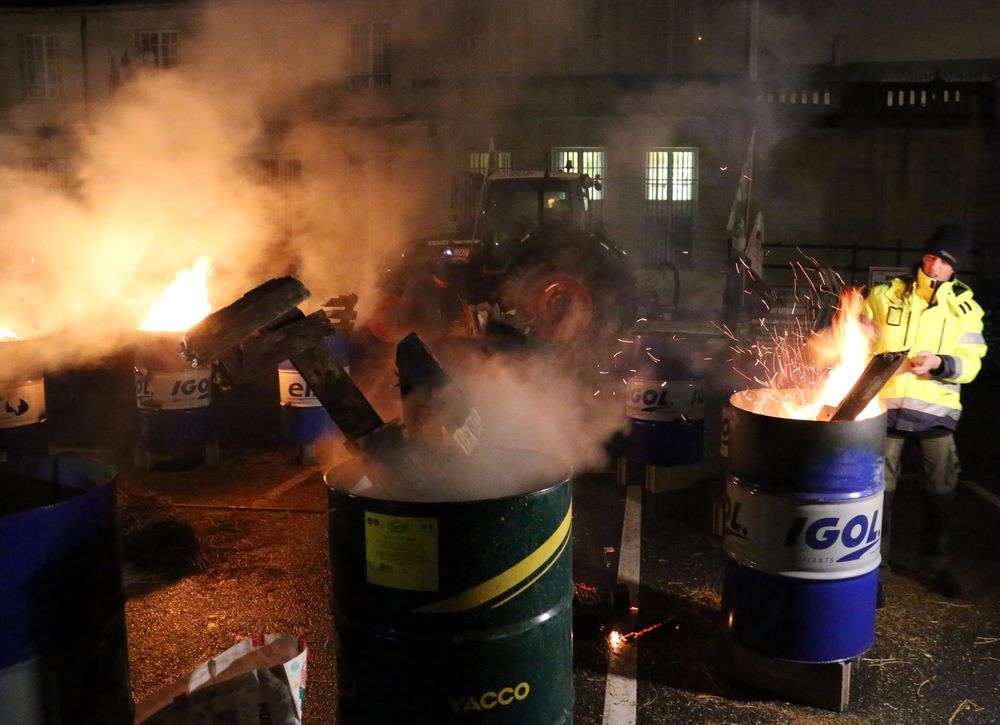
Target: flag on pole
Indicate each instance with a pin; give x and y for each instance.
(755, 246)
(491, 158)
(491, 162)
(121, 70)
(738, 212)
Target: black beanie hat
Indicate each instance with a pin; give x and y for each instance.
(950, 242)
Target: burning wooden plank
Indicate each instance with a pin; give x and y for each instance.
(876, 374)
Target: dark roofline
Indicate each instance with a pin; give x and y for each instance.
(915, 71)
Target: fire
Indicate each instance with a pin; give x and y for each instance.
(183, 304)
(849, 348)
(7, 334)
(801, 380)
(616, 639)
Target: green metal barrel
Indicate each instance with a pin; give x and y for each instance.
(455, 611)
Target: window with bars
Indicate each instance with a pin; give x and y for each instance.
(279, 169)
(370, 55)
(479, 160)
(40, 73)
(588, 161)
(671, 174)
(671, 182)
(157, 48)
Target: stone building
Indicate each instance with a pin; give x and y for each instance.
(872, 122)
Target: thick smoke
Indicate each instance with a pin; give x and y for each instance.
(168, 169)
(541, 421)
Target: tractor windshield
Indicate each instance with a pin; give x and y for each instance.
(517, 206)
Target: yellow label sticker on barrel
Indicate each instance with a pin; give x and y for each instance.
(402, 551)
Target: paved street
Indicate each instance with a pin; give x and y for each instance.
(217, 554)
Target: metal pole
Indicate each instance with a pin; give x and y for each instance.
(84, 70)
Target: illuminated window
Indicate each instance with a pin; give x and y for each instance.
(157, 48)
(671, 174)
(370, 55)
(582, 161)
(40, 74)
(479, 160)
(670, 206)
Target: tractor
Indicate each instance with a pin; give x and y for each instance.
(526, 249)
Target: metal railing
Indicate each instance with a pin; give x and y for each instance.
(851, 261)
(894, 99)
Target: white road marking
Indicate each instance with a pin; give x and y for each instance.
(287, 485)
(988, 495)
(620, 686)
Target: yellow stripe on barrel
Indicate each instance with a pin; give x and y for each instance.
(478, 595)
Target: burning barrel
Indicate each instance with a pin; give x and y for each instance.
(802, 531)
(452, 601)
(22, 401)
(64, 657)
(173, 404)
(304, 420)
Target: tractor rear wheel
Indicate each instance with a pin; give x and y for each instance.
(569, 303)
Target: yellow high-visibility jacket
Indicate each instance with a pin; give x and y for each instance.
(951, 327)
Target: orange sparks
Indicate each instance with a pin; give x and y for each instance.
(805, 369)
(616, 639)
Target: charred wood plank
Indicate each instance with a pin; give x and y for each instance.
(266, 350)
(257, 309)
(337, 392)
(341, 311)
(876, 374)
(432, 401)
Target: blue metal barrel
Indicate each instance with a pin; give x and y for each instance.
(304, 420)
(22, 401)
(802, 530)
(176, 421)
(64, 657)
(665, 399)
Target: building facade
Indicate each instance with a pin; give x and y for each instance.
(865, 137)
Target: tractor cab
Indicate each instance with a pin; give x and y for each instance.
(518, 203)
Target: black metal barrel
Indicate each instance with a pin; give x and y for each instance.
(455, 611)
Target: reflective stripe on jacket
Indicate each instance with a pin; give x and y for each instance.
(951, 328)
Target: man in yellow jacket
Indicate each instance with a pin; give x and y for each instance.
(931, 314)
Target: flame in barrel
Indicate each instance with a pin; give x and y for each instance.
(836, 357)
(183, 304)
(846, 350)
